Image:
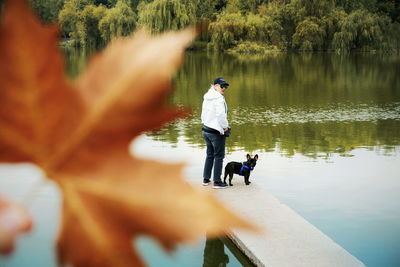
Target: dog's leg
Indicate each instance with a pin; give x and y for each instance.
(230, 179)
(246, 179)
(225, 174)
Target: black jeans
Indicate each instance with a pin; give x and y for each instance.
(215, 155)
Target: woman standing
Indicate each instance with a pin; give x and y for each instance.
(215, 128)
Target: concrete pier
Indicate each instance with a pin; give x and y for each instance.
(288, 240)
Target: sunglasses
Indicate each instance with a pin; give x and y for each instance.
(224, 86)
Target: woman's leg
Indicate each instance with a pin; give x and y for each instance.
(209, 162)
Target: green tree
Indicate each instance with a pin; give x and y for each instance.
(162, 15)
(227, 31)
(205, 13)
(252, 5)
(297, 15)
(47, 10)
(231, 29)
(79, 20)
(272, 14)
(394, 37)
(351, 5)
(243, 6)
(255, 28)
(106, 3)
(331, 24)
(391, 8)
(289, 23)
(234, 6)
(309, 34)
(88, 26)
(118, 21)
(286, 24)
(220, 4)
(68, 17)
(361, 29)
(206, 10)
(314, 8)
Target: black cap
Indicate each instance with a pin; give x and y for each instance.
(220, 81)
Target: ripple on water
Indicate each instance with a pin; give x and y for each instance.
(339, 113)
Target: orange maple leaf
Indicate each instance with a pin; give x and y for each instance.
(79, 133)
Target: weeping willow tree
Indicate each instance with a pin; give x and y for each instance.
(272, 17)
(315, 8)
(361, 30)
(309, 35)
(394, 37)
(234, 29)
(118, 21)
(162, 15)
(92, 26)
(79, 21)
(311, 25)
(205, 14)
(351, 5)
(69, 16)
(88, 26)
(47, 10)
(227, 31)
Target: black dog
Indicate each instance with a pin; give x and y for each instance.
(242, 169)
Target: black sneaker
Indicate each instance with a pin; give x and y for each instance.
(206, 182)
(220, 185)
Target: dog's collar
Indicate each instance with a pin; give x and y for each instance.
(244, 167)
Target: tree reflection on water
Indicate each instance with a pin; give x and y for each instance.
(215, 255)
(312, 104)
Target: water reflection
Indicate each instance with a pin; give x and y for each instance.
(317, 105)
(214, 254)
(304, 80)
(313, 104)
(76, 60)
(313, 139)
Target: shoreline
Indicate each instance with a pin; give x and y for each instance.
(197, 46)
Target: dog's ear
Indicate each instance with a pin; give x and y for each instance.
(248, 157)
(256, 157)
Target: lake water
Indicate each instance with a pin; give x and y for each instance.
(24, 182)
(327, 132)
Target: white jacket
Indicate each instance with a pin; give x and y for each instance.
(214, 110)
